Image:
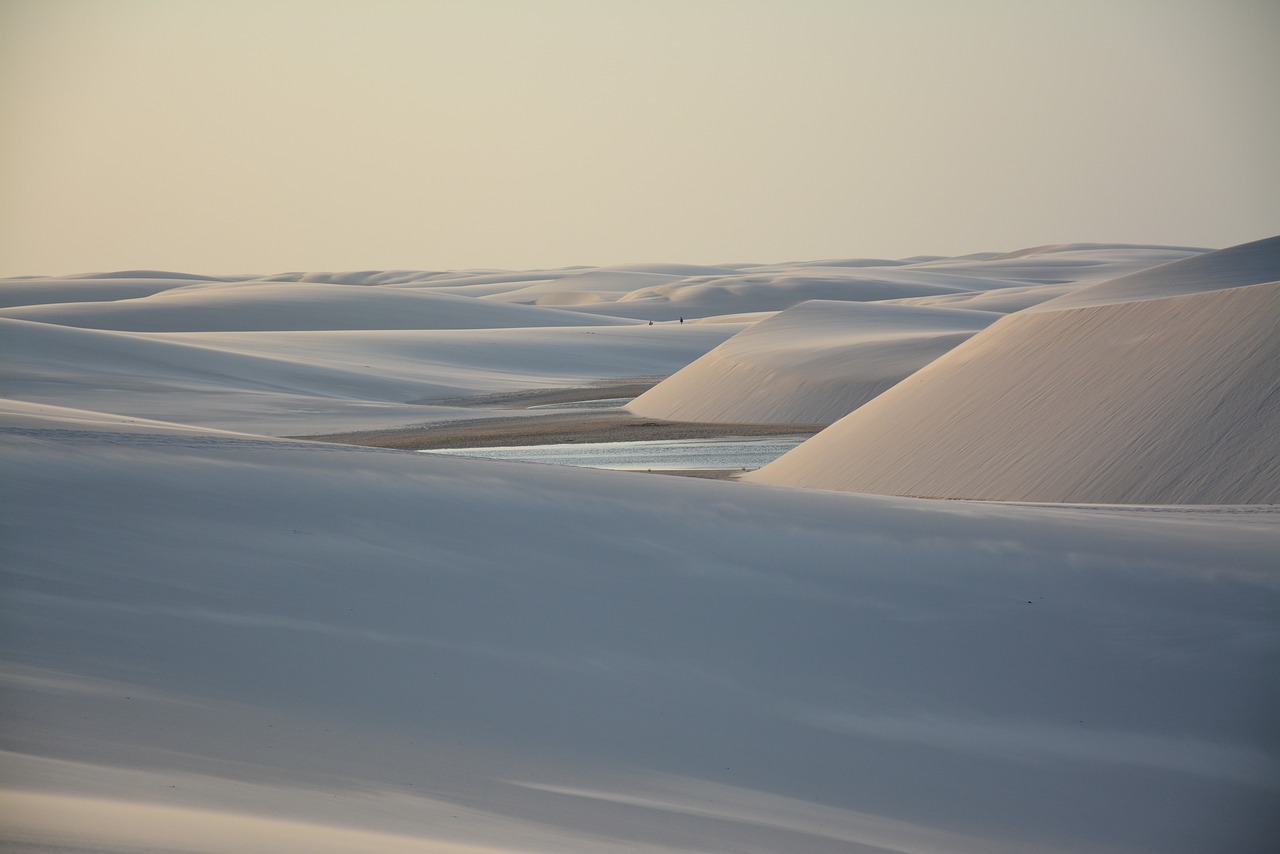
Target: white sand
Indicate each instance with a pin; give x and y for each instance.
(814, 363)
(222, 641)
(1170, 397)
(818, 361)
(243, 306)
(284, 383)
(1248, 264)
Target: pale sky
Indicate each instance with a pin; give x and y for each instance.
(260, 136)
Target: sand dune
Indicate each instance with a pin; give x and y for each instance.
(814, 363)
(774, 291)
(1066, 261)
(999, 300)
(285, 646)
(336, 380)
(218, 640)
(108, 359)
(1248, 264)
(1048, 271)
(594, 286)
(781, 286)
(298, 306)
(817, 362)
(1157, 400)
(97, 288)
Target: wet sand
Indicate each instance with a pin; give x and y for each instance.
(560, 428)
(629, 388)
(555, 429)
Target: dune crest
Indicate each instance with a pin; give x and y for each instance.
(1169, 397)
(301, 306)
(811, 364)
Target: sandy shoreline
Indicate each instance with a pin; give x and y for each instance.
(529, 398)
(555, 429)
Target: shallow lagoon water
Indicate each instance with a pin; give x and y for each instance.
(602, 403)
(725, 454)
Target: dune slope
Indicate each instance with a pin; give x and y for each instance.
(1172, 400)
(1247, 264)
(258, 306)
(812, 364)
(226, 643)
(281, 383)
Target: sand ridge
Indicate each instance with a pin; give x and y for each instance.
(1162, 400)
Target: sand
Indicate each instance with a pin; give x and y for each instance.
(529, 398)
(221, 643)
(1160, 388)
(220, 640)
(577, 426)
(815, 362)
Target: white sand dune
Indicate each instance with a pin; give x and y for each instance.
(1065, 262)
(595, 286)
(225, 643)
(930, 281)
(774, 291)
(336, 380)
(814, 363)
(103, 359)
(296, 306)
(576, 287)
(817, 362)
(999, 300)
(1170, 397)
(1050, 271)
(216, 640)
(102, 287)
(1247, 264)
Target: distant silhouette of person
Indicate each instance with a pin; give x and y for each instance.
(682, 321)
(651, 323)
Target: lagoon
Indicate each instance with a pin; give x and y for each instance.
(720, 454)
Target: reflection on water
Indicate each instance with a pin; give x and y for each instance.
(599, 403)
(663, 454)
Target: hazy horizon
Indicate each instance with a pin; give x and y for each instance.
(257, 137)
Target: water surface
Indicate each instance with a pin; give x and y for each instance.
(599, 403)
(724, 454)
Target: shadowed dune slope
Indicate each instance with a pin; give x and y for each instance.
(219, 643)
(812, 364)
(1171, 400)
(245, 307)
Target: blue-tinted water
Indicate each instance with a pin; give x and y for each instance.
(661, 454)
(602, 403)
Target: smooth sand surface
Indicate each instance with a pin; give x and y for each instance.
(1172, 400)
(815, 362)
(221, 642)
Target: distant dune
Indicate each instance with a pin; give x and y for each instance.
(1157, 388)
(1247, 264)
(44, 290)
(811, 364)
(257, 306)
(818, 361)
